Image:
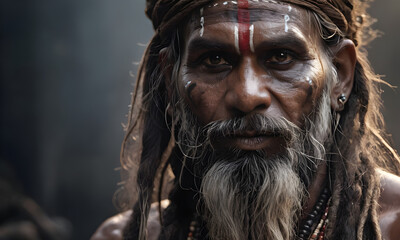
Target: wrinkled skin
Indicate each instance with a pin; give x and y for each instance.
(282, 74)
(271, 81)
(283, 77)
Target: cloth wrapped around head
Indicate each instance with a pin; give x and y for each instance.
(166, 14)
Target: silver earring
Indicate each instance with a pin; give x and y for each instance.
(342, 98)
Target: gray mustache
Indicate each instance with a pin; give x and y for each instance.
(258, 124)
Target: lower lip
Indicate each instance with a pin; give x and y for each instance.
(251, 143)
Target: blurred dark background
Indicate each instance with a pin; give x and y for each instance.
(65, 86)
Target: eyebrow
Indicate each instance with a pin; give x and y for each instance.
(209, 44)
(287, 40)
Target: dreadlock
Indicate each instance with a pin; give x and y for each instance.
(358, 153)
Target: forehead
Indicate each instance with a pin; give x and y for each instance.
(258, 10)
(265, 13)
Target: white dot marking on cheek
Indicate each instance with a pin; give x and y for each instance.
(287, 18)
(187, 84)
(225, 3)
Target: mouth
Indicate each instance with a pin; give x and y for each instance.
(251, 141)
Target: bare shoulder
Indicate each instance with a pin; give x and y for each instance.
(389, 201)
(112, 228)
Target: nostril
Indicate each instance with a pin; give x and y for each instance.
(240, 111)
(261, 107)
(235, 112)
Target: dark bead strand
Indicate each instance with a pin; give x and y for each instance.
(305, 230)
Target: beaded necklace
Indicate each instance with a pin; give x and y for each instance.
(304, 232)
(316, 216)
(194, 232)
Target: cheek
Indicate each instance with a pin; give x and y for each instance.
(308, 101)
(204, 99)
(294, 100)
(299, 96)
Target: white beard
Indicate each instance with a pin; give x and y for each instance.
(252, 196)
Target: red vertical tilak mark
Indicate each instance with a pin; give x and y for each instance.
(244, 25)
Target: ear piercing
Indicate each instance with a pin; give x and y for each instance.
(342, 98)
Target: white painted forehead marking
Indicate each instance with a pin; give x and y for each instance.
(224, 3)
(269, 1)
(251, 28)
(290, 8)
(201, 22)
(202, 26)
(235, 3)
(287, 18)
(237, 39)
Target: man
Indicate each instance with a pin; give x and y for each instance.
(277, 132)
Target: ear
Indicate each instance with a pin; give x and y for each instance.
(166, 70)
(345, 61)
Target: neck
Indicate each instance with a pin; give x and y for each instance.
(315, 190)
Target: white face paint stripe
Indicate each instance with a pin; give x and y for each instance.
(237, 39)
(287, 18)
(236, 2)
(202, 26)
(201, 22)
(187, 84)
(251, 28)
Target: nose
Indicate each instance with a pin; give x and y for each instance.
(248, 90)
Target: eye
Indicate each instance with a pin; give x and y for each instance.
(215, 60)
(280, 57)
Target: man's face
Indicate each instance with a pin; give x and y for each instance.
(253, 74)
(249, 57)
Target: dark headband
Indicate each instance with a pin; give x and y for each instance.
(167, 14)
